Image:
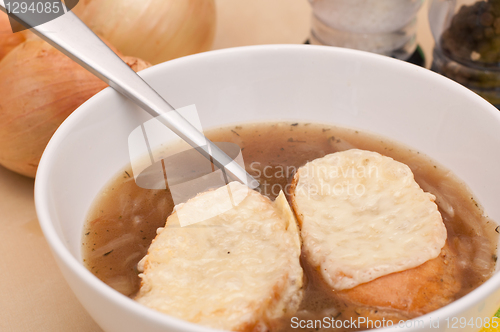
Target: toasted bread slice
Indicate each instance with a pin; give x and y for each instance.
(407, 294)
(237, 271)
(373, 236)
(363, 216)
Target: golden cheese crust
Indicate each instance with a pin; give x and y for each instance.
(238, 271)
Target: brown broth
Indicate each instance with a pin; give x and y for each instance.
(124, 217)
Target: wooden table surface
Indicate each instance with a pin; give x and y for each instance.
(33, 294)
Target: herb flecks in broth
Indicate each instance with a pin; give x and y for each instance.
(124, 217)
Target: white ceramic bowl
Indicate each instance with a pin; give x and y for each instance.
(305, 83)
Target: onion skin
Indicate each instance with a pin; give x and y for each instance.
(153, 30)
(135, 64)
(8, 39)
(39, 88)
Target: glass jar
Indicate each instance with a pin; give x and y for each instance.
(467, 50)
(385, 27)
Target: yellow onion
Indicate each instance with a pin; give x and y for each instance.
(39, 88)
(153, 30)
(8, 39)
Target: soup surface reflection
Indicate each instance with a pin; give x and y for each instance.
(124, 217)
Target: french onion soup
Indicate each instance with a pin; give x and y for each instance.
(456, 255)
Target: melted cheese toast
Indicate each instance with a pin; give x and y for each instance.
(237, 271)
(363, 216)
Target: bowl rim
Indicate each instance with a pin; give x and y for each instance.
(59, 249)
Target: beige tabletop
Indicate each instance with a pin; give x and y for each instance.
(34, 296)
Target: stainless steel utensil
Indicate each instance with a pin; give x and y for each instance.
(71, 36)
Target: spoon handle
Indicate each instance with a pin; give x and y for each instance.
(71, 36)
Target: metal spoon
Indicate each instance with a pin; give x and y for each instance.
(71, 36)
